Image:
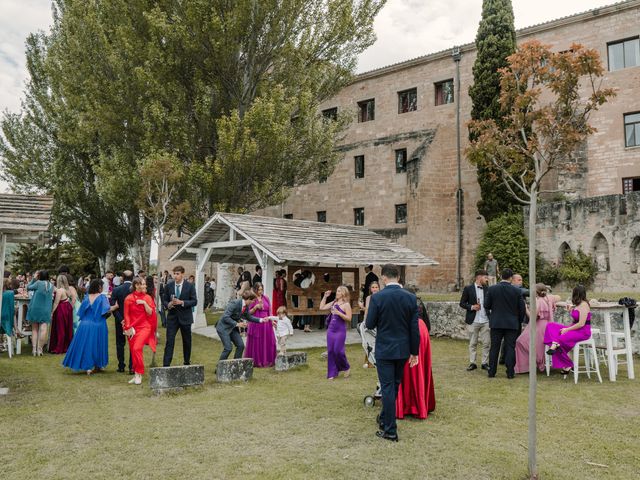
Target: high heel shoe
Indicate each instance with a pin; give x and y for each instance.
(132, 381)
(89, 372)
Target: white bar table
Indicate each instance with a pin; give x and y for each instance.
(607, 309)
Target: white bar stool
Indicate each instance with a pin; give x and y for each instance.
(590, 359)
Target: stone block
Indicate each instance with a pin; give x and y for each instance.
(234, 370)
(290, 360)
(4, 391)
(167, 379)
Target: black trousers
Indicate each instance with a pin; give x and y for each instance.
(228, 340)
(173, 325)
(121, 339)
(390, 374)
(497, 336)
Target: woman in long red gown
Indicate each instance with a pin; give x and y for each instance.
(140, 324)
(416, 395)
(279, 292)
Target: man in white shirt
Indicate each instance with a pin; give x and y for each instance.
(473, 302)
(117, 280)
(106, 283)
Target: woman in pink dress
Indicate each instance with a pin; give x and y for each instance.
(261, 341)
(545, 308)
(562, 338)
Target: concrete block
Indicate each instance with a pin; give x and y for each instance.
(167, 379)
(4, 391)
(290, 360)
(234, 370)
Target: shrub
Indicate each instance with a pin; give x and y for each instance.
(546, 272)
(504, 237)
(577, 268)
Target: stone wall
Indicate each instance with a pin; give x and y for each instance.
(447, 320)
(606, 227)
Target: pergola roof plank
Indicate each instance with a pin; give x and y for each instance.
(301, 241)
(24, 215)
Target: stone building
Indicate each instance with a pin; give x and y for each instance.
(404, 167)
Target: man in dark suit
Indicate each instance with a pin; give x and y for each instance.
(179, 298)
(394, 313)
(118, 296)
(257, 278)
(505, 306)
(236, 314)
(368, 280)
(472, 301)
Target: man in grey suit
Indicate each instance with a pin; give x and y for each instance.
(505, 306)
(236, 315)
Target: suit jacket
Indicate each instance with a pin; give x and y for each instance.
(394, 313)
(234, 313)
(505, 306)
(119, 294)
(469, 298)
(182, 313)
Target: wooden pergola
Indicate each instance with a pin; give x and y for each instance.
(23, 219)
(278, 242)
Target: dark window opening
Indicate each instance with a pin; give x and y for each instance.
(359, 166)
(330, 113)
(401, 160)
(408, 100)
(624, 54)
(630, 184)
(366, 110)
(323, 173)
(401, 213)
(632, 130)
(444, 92)
(322, 216)
(288, 216)
(358, 216)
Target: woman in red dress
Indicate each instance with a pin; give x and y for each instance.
(139, 324)
(416, 395)
(279, 292)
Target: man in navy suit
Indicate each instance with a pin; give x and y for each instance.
(118, 296)
(394, 313)
(179, 298)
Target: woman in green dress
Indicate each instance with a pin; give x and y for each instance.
(8, 308)
(39, 312)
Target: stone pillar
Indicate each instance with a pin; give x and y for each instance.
(199, 318)
(225, 284)
(268, 270)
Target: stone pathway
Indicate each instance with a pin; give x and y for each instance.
(299, 340)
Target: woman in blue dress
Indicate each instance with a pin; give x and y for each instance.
(39, 311)
(8, 308)
(89, 349)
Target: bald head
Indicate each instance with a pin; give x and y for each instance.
(127, 276)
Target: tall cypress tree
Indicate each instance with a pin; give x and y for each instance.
(495, 41)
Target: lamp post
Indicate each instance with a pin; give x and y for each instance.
(457, 55)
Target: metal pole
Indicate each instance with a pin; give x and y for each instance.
(457, 55)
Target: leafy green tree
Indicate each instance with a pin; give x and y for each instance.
(547, 98)
(577, 268)
(29, 257)
(495, 41)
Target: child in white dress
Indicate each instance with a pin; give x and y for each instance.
(282, 328)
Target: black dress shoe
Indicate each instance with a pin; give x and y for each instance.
(492, 376)
(386, 436)
(511, 377)
(121, 370)
(472, 366)
(485, 366)
(131, 372)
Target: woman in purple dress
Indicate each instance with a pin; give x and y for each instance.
(561, 339)
(261, 341)
(337, 331)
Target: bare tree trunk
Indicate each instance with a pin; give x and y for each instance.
(533, 367)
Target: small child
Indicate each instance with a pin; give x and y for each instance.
(282, 328)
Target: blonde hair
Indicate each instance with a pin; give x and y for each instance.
(343, 292)
(62, 282)
(282, 310)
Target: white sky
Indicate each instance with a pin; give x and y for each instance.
(405, 28)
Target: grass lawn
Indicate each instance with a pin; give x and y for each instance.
(61, 425)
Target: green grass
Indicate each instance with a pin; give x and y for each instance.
(61, 425)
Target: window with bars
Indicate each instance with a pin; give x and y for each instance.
(401, 160)
(358, 216)
(632, 130)
(322, 216)
(401, 213)
(624, 54)
(630, 184)
(408, 100)
(366, 110)
(359, 166)
(444, 92)
(330, 113)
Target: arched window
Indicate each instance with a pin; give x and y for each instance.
(634, 255)
(600, 252)
(562, 251)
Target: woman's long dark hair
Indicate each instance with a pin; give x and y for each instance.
(579, 295)
(95, 286)
(43, 275)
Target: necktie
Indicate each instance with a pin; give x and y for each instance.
(177, 291)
